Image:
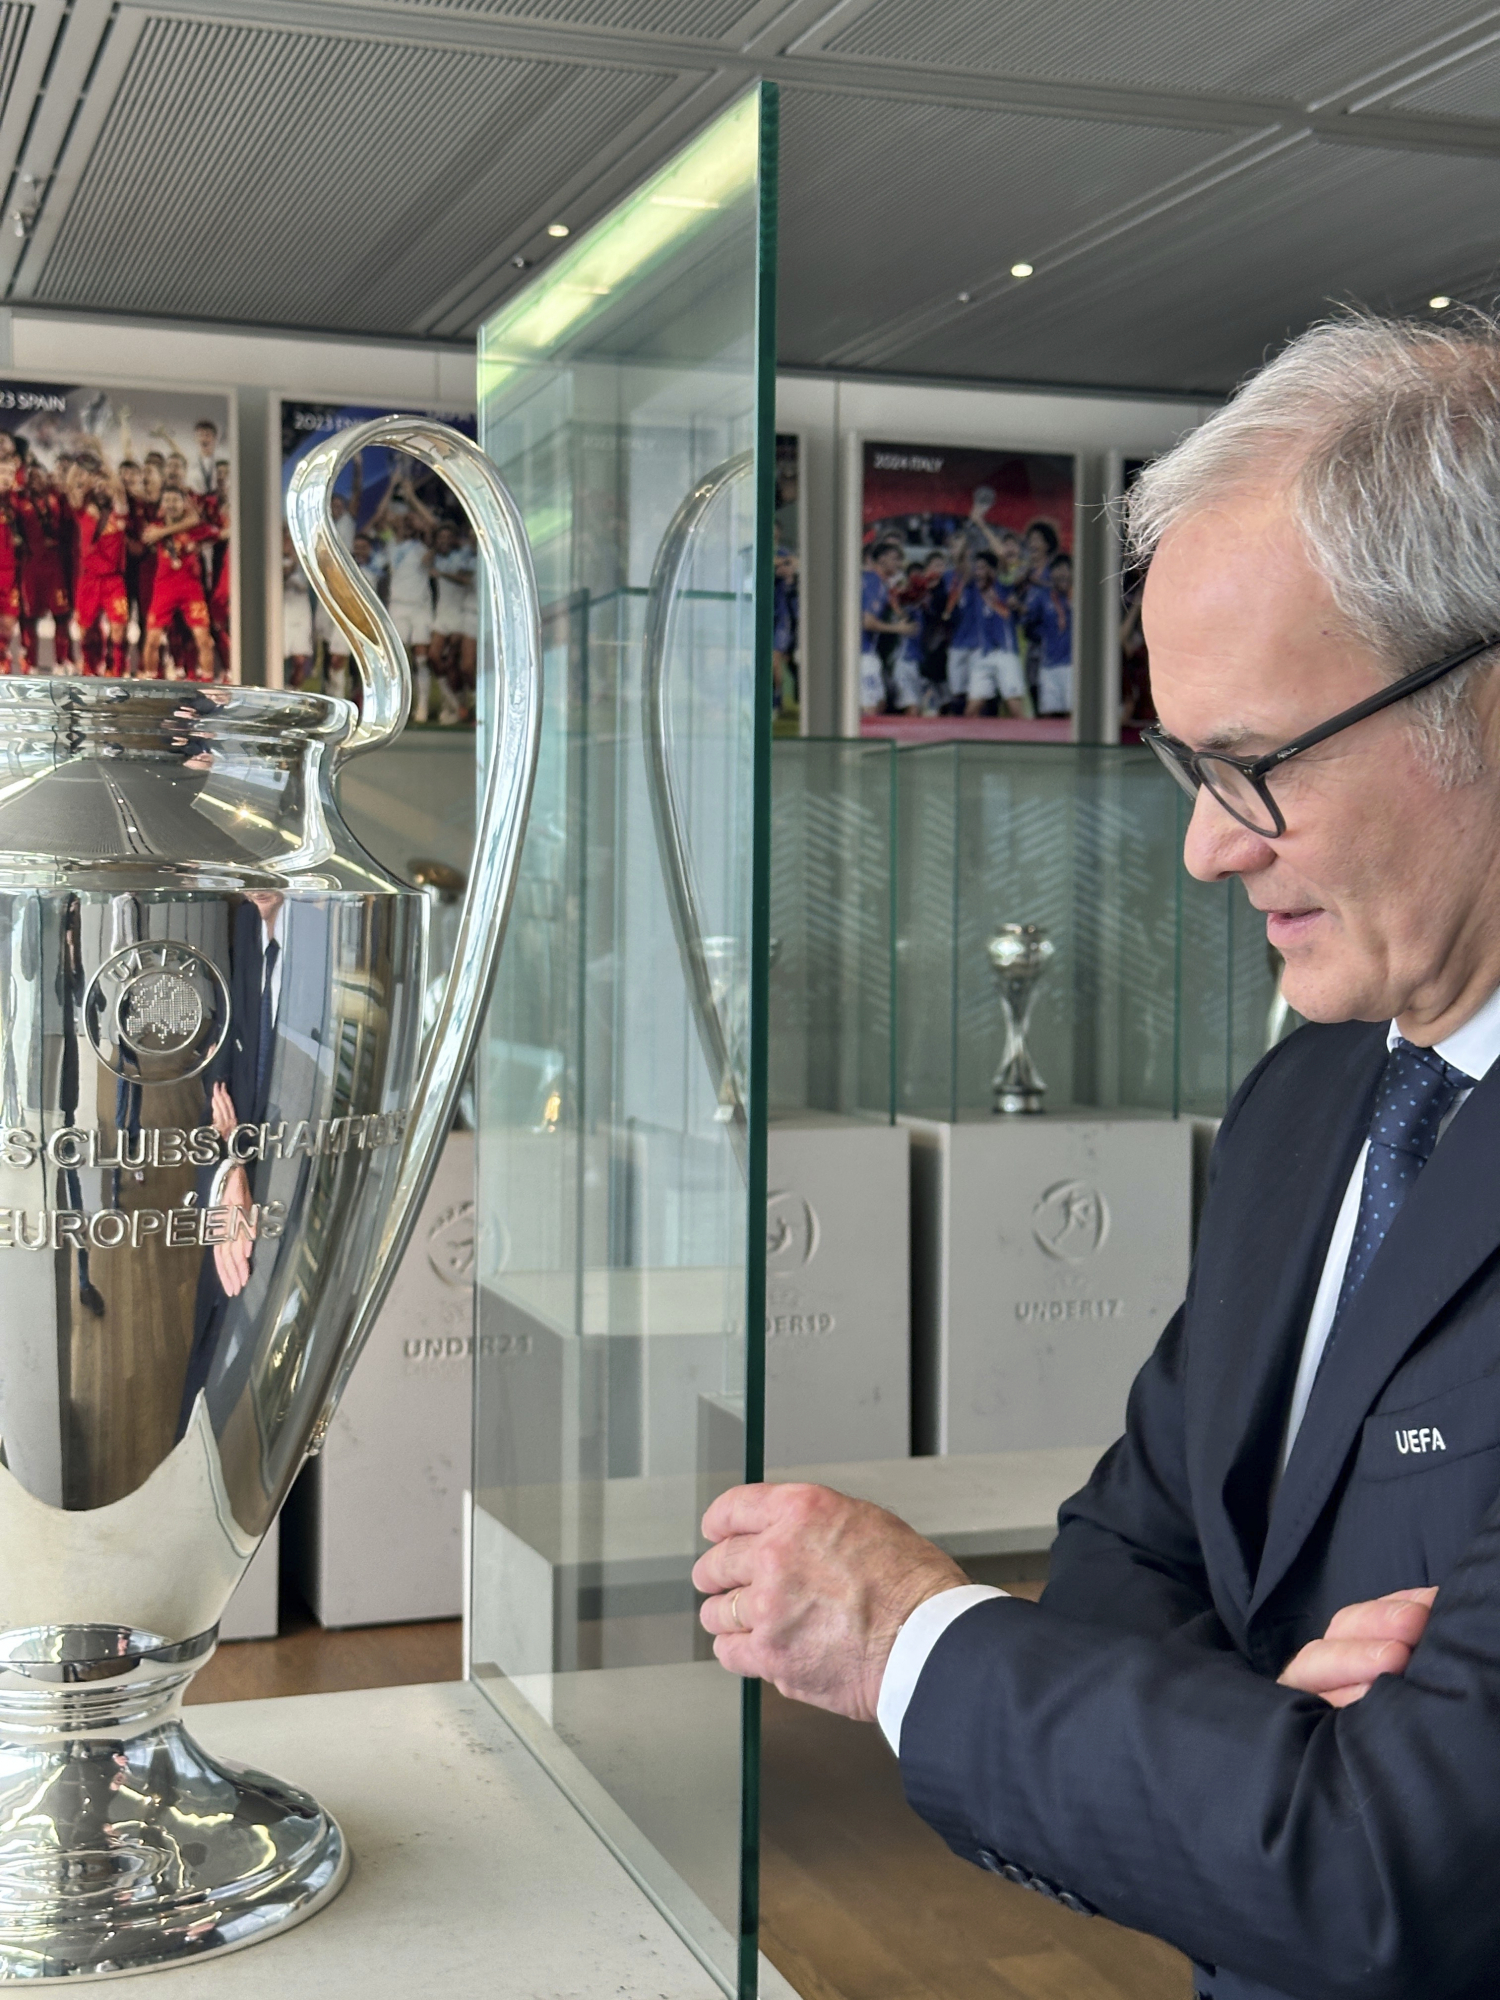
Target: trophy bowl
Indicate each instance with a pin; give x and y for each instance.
(219, 1112)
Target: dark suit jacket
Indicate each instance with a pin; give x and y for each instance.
(1124, 1744)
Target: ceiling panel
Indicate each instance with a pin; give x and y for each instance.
(15, 22)
(888, 206)
(1470, 90)
(700, 19)
(1275, 48)
(339, 183)
(1195, 298)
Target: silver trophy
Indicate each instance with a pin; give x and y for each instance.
(219, 1113)
(716, 969)
(1019, 955)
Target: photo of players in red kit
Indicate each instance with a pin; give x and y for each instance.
(115, 532)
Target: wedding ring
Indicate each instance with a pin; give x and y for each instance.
(734, 1611)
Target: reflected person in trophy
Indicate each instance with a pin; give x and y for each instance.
(262, 1081)
(1019, 954)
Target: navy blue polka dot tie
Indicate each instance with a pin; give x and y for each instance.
(1417, 1091)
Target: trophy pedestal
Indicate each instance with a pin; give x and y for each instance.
(838, 1311)
(1047, 1256)
(123, 1846)
(376, 1523)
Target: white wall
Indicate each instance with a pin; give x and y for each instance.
(833, 415)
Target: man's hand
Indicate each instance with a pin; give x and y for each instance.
(808, 1589)
(1363, 1641)
(232, 1259)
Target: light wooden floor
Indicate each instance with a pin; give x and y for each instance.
(859, 1899)
(308, 1660)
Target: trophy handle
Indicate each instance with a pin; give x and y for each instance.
(676, 865)
(513, 718)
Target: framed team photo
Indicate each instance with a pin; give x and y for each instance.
(786, 639)
(117, 539)
(965, 621)
(1125, 585)
(404, 527)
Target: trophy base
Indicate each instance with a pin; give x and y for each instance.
(124, 1847)
(1014, 1103)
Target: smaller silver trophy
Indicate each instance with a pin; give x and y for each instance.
(1019, 954)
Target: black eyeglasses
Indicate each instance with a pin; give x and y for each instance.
(1240, 783)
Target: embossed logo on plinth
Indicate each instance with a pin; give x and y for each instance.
(450, 1245)
(1070, 1221)
(792, 1231)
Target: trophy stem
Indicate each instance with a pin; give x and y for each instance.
(124, 1847)
(1019, 1089)
(1019, 954)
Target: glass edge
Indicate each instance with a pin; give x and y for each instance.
(760, 920)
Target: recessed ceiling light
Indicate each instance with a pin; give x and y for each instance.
(557, 229)
(1440, 303)
(964, 298)
(1021, 270)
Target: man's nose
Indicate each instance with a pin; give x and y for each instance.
(1218, 846)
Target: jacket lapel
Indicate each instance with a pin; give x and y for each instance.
(1256, 1278)
(1448, 1226)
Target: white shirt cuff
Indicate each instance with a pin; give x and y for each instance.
(914, 1642)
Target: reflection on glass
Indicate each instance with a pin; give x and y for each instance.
(831, 922)
(614, 1279)
(1157, 998)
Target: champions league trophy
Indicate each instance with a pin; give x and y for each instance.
(218, 1117)
(1019, 954)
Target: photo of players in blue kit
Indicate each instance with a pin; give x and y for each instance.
(786, 617)
(966, 587)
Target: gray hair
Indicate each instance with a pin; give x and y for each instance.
(1385, 437)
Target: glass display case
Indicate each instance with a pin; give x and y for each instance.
(833, 885)
(1072, 1014)
(627, 398)
(1156, 997)
(838, 1341)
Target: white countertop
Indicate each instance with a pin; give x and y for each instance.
(975, 1504)
(474, 1878)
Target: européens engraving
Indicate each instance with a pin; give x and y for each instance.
(185, 1228)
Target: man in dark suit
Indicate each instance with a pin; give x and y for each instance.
(1257, 1711)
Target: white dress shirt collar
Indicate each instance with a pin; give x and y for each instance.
(1474, 1047)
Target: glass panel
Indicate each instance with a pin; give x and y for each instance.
(832, 916)
(1156, 996)
(626, 397)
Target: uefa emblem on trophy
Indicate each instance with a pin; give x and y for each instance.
(1019, 955)
(220, 1110)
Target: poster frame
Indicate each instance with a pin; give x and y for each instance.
(106, 379)
(438, 406)
(798, 434)
(851, 542)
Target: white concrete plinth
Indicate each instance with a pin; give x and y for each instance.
(376, 1526)
(838, 1310)
(474, 1877)
(1048, 1254)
